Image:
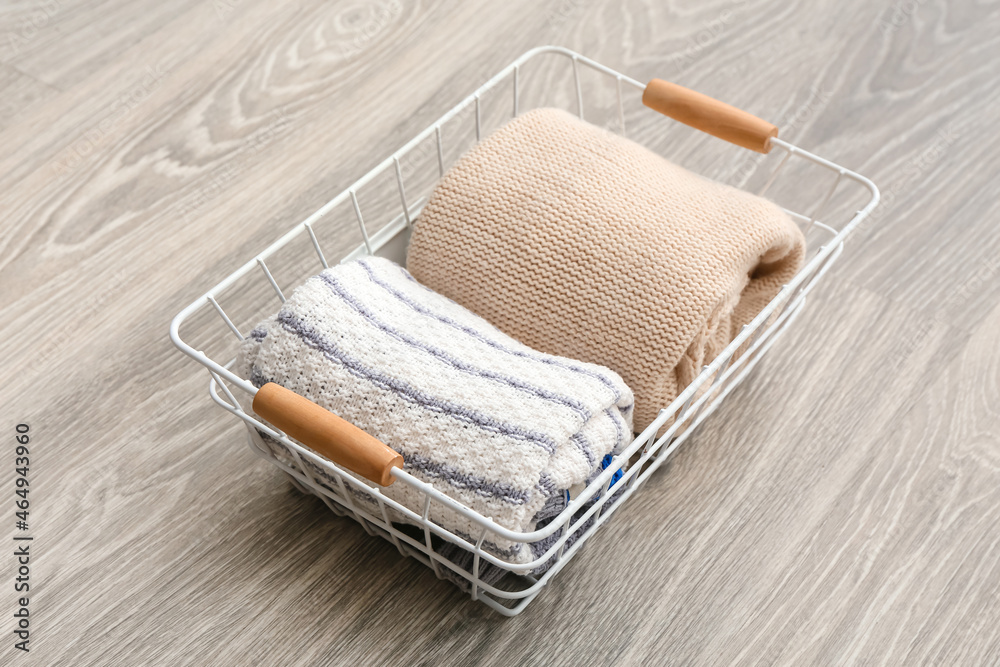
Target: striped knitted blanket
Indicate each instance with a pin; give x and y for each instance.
(493, 424)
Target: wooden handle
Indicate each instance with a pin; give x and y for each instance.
(325, 433)
(709, 115)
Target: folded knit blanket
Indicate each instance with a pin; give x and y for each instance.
(578, 242)
(493, 424)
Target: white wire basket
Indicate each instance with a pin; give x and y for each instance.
(832, 201)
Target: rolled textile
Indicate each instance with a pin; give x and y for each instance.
(581, 243)
(499, 427)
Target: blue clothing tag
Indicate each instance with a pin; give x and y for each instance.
(618, 473)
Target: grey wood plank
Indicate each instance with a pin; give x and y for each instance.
(841, 509)
(18, 92)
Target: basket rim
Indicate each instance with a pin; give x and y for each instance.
(790, 297)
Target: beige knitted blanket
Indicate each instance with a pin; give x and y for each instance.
(580, 243)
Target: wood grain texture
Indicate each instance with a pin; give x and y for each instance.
(842, 508)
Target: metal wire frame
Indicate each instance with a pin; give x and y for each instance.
(590, 509)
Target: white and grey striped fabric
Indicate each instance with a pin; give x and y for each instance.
(499, 427)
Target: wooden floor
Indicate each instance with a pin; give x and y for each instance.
(843, 508)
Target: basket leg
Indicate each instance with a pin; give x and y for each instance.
(298, 485)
